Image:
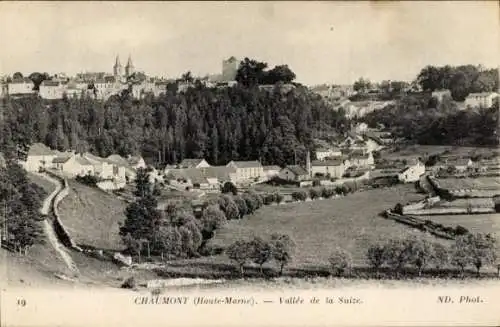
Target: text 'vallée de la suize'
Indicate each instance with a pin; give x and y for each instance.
(207, 300)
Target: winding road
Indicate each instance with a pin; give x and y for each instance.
(49, 228)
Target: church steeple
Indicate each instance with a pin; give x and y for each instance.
(129, 69)
(117, 68)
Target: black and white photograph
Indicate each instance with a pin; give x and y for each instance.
(249, 163)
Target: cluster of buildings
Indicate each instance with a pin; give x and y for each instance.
(114, 168)
(473, 100)
(102, 85)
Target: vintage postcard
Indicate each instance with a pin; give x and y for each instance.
(249, 163)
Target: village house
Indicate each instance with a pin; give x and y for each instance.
(294, 173)
(51, 90)
(130, 173)
(136, 162)
(323, 153)
(332, 168)
(106, 170)
(20, 86)
(247, 170)
(194, 163)
(350, 139)
(480, 100)
(412, 172)
(361, 158)
(73, 165)
(39, 156)
(271, 171)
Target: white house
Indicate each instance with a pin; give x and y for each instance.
(361, 158)
(271, 171)
(460, 164)
(323, 153)
(194, 163)
(136, 162)
(39, 156)
(73, 165)
(247, 170)
(20, 86)
(51, 90)
(412, 172)
(294, 173)
(333, 168)
(483, 100)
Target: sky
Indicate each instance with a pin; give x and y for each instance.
(322, 42)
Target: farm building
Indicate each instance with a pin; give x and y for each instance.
(334, 168)
(247, 170)
(271, 171)
(294, 173)
(193, 163)
(412, 172)
(39, 156)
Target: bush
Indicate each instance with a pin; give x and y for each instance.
(316, 183)
(327, 193)
(314, 194)
(278, 197)
(88, 180)
(242, 205)
(299, 195)
(229, 207)
(398, 209)
(282, 247)
(340, 262)
(376, 255)
(129, 283)
(460, 230)
(229, 187)
(240, 252)
(269, 198)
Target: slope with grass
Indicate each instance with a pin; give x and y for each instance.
(350, 222)
(92, 217)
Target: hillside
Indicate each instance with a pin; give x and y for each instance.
(92, 217)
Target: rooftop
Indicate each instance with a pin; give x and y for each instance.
(246, 164)
(297, 170)
(39, 149)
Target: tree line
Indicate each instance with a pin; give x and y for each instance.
(20, 202)
(460, 80)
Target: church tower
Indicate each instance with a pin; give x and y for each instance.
(117, 68)
(129, 69)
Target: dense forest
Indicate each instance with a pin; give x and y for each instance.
(220, 124)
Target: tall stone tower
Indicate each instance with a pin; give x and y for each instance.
(229, 69)
(117, 68)
(129, 69)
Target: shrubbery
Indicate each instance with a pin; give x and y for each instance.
(299, 195)
(88, 180)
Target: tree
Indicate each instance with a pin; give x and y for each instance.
(229, 207)
(170, 241)
(242, 205)
(212, 219)
(421, 253)
(483, 250)
(143, 186)
(299, 195)
(250, 72)
(340, 261)
(362, 85)
(240, 252)
(460, 252)
(314, 194)
(397, 254)
(441, 255)
(278, 197)
(251, 202)
(261, 252)
(282, 247)
(376, 255)
(17, 76)
(281, 74)
(229, 187)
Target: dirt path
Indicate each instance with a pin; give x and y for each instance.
(49, 229)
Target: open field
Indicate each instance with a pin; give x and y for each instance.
(92, 216)
(479, 183)
(428, 150)
(351, 222)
